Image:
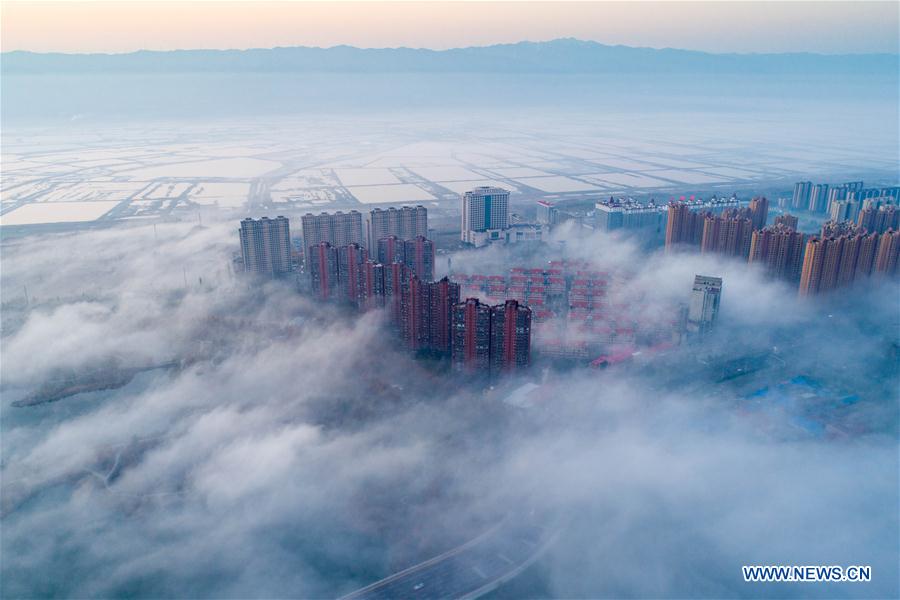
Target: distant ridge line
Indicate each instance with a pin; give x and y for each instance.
(565, 55)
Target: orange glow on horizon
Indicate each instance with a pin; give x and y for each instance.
(105, 26)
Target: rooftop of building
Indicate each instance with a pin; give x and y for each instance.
(700, 202)
(327, 214)
(481, 189)
(397, 208)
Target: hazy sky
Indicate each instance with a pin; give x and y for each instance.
(814, 26)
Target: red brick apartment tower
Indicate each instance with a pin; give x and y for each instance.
(471, 336)
(787, 220)
(759, 212)
(812, 266)
(683, 225)
(829, 263)
(444, 295)
(322, 261)
(419, 253)
(413, 315)
(675, 223)
(373, 284)
(849, 257)
(834, 249)
(351, 259)
(868, 249)
(727, 235)
(510, 337)
(879, 219)
(395, 277)
(391, 250)
(888, 253)
(780, 250)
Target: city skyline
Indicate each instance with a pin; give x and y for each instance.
(376, 300)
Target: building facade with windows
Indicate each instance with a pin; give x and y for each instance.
(338, 229)
(406, 222)
(485, 215)
(266, 246)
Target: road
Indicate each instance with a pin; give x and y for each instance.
(474, 568)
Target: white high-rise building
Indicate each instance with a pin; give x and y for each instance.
(406, 223)
(704, 306)
(844, 210)
(485, 215)
(266, 246)
(802, 190)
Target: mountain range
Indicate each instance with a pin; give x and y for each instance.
(557, 56)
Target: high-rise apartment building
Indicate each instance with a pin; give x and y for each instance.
(682, 221)
(444, 295)
(802, 190)
(322, 264)
(390, 250)
(419, 257)
(843, 210)
(854, 187)
(842, 193)
(510, 337)
(888, 253)
(703, 308)
(373, 284)
(839, 228)
(879, 219)
(831, 265)
(426, 314)
(813, 260)
(266, 246)
(485, 214)
(818, 198)
(630, 216)
(866, 218)
(836, 193)
(849, 260)
(726, 235)
(405, 223)
(414, 309)
(831, 261)
(471, 336)
(834, 261)
(780, 250)
(759, 212)
(868, 250)
(547, 214)
(787, 220)
(872, 194)
(890, 195)
(890, 192)
(821, 197)
(338, 229)
(684, 226)
(490, 339)
(395, 277)
(351, 273)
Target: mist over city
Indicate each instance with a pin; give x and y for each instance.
(536, 319)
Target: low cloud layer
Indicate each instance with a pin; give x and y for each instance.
(298, 451)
